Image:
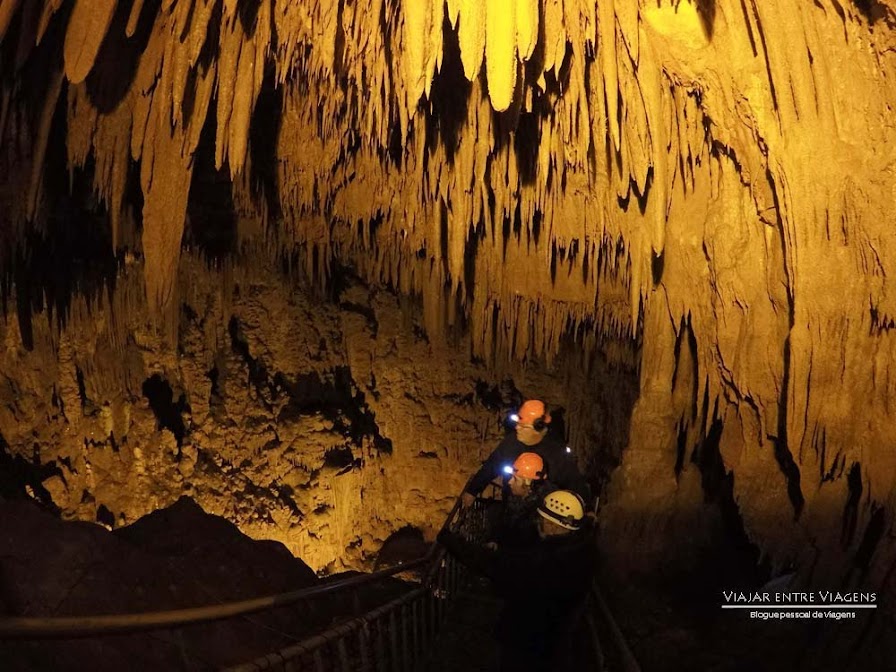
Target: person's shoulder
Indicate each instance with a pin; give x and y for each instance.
(511, 446)
(552, 446)
(509, 439)
(504, 446)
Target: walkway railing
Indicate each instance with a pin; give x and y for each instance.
(391, 637)
(394, 637)
(66, 627)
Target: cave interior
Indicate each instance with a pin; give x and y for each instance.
(279, 271)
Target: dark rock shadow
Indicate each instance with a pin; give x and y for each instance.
(117, 61)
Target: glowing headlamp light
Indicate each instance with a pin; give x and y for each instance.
(508, 469)
(568, 449)
(514, 417)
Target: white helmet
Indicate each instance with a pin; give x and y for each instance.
(564, 508)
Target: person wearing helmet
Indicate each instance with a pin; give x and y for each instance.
(543, 585)
(521, 497)
(561, 511)
(530, 435)
(528, 474)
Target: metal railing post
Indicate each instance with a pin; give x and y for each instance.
(415, 656)
(380, 647)
(393, 638)
(405, 643)
(343, 655)
(364, 646)
(452, 578)
(319, 661)
(430, 620)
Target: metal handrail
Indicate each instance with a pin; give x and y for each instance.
(428, 606)
(393, 637)
(86, 626)
(411, 622)
(335, 633)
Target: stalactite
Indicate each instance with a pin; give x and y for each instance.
(87, 27)
(471, 33)
(526, 28)
(7, 10)
(231, 47)
(49, 9)
(40, 146)
(606, 23)
(134, 17)
(555, 35)
(500, 52)
(640, 125)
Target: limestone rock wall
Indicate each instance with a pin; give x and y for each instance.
(326, 425)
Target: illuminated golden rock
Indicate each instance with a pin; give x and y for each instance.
(698, 191)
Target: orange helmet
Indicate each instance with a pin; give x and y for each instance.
(534, 413)
(529, 465)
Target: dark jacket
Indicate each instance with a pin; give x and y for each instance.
(561, 466)
(517, 524)
(542, 586)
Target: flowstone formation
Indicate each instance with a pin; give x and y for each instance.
(700, 189)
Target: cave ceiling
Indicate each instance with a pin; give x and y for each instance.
(711, 180)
